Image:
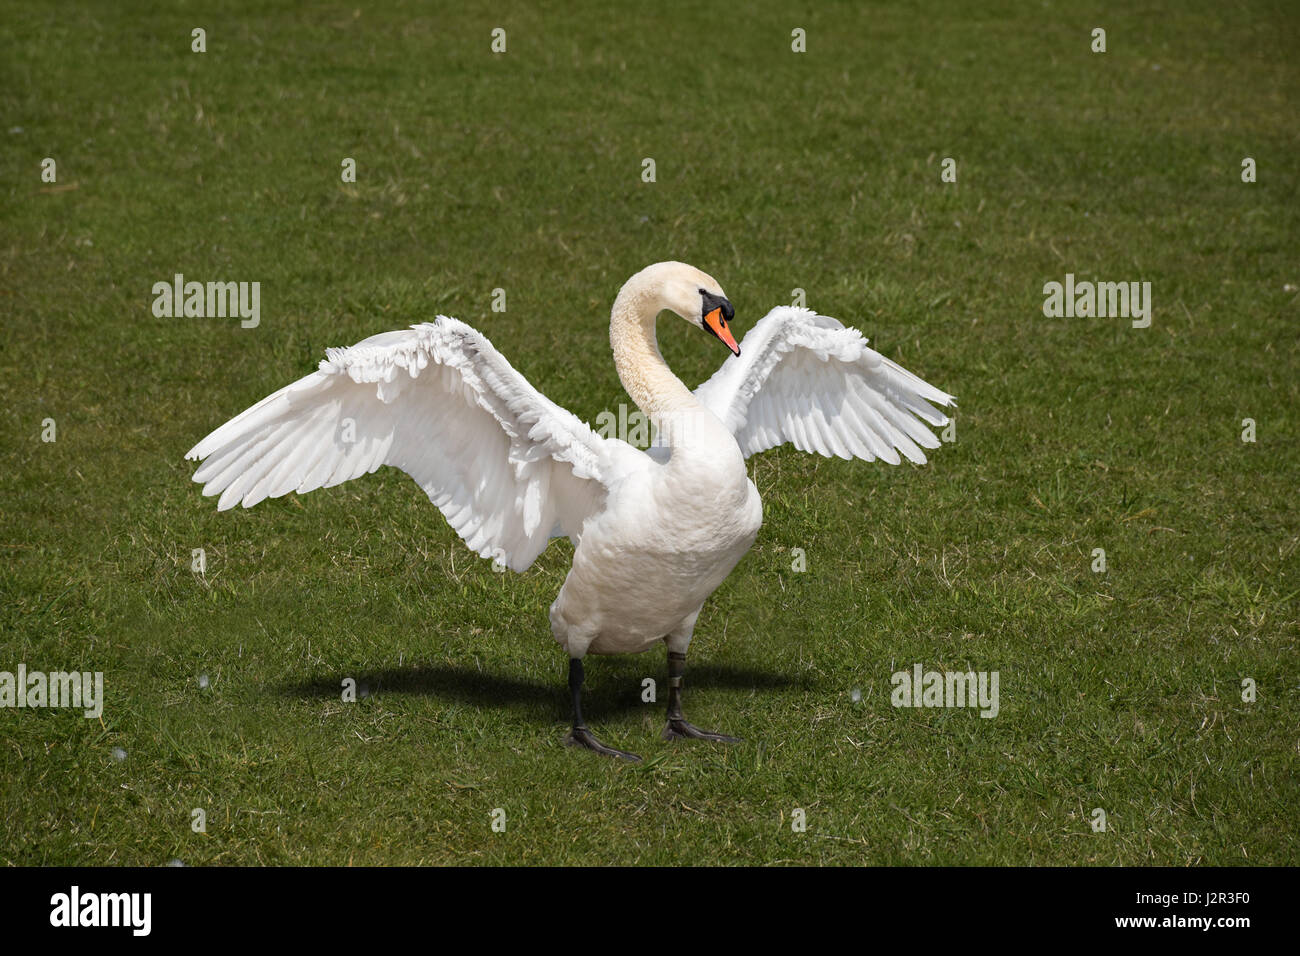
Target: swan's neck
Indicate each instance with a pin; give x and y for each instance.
(642, 370)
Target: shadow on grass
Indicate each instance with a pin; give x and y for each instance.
(612, 688)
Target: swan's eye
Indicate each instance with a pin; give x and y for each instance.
(711, 302)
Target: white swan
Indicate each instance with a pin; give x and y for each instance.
(655, 532)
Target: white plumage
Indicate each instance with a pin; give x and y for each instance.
(804, 378)
(508, 468)
(654, 532)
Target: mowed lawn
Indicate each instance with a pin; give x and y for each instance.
(775, 170)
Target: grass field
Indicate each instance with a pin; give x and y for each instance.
(775, 170)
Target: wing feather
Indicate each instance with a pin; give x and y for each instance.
(508, 468)
(805, 379)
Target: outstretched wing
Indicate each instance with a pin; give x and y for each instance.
(508, 468)
(806, 379)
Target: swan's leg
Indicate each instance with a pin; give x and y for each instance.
(678, 727)
(580, 736)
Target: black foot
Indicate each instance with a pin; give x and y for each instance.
(679, 729)
(582, 737)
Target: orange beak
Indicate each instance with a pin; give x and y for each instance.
(716, 324)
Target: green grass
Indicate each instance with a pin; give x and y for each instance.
(775, 171)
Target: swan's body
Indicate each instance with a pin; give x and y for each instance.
(655, 532)
(647, 563)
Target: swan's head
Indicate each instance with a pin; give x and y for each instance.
(693, 295)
